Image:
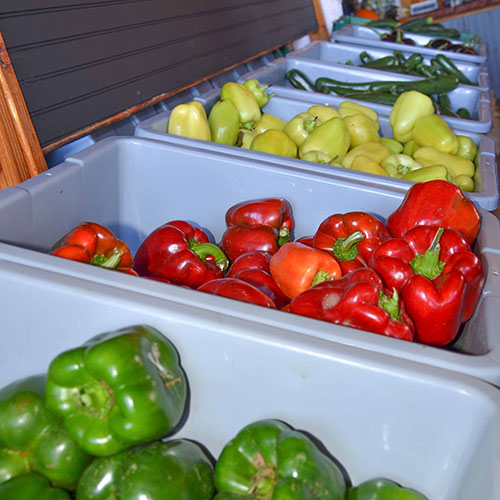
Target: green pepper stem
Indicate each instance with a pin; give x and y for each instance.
(309, 125)
(428, 263)
(319, 277)
(111, 262)
(284, 236)
(203, 250)
(347, 248)
(390, 304)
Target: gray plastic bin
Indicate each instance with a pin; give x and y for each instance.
(341, 53)
(476, 101)
(368, 37)
(134, 185)
(486, 179)
(426, 428)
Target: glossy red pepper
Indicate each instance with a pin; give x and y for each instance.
(431, 252)
(436, 203)
(440, 279)
(237, 289)
(356, 300)
(274, 212)
(306, 240)
(181, 254)
(94, 244)
(351, 238)
(295, 267)
(241, 239)
(253, 267)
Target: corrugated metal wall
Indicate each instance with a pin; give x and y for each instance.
(487, 26)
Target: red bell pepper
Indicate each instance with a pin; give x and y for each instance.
(440, 279)
(274, 212)
(253, 267)
(241, 239)
(436, 203)
(180, 253)
(356, 300)
(430, 251)
(295, 267)
(306, 240)
(94, 244)
(237, 289)
(351, 237)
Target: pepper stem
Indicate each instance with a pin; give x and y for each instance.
(428, 263)
(203, 250)
(110, 262)
(319, 277)
(309, 125)
(390, 304)
(284, 236)
(347, 248)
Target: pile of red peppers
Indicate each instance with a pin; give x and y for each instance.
(413, 277)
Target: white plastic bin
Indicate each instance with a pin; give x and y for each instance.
(485, 195)
(429, 429)
(134, 185)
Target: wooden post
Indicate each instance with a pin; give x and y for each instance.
(21, 156)
(322, 33)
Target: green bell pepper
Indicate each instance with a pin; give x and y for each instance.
(31, 486)
(119, 389)
(382, 489)
(176, 469)
(32, 438)
(267, 460)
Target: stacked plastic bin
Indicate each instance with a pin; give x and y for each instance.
(425, 417)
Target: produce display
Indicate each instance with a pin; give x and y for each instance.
(413, 65)
(346, 137)
(413, 277)
(267, 459)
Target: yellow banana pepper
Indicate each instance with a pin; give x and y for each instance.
(275, 142)
(374, 150)
(245, 103)
(466, 148)
(410, 148)
(323, 113)
(268, 121)
(361, 129)
(316, 156)
(300, 126)
(331, 138)
(408, 108)
(431, 173)
(348, 108)
(364, 164)
(392, 145)
(400, 163)
(456, 165)
(245, 138)
(464, 182)
(189, 120)
(433, 131)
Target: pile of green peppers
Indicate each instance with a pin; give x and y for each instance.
(96, 426)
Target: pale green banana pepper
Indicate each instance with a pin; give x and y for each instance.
(268, 121)
(317, 156)
(331, 138)
(300, 126)
(348, 108)
(433, 131)
(274, 142)
(245, 138)
(428, 156)
(408, 108)
(323, 113)
(431, 173)
(400, 163)
(374, 150)
(410, 148)
(392, 145)
(245, 103)
(363, 163)
(189, 120)
(224, 122)
(466, 148)
(259, 91)
(361, 129)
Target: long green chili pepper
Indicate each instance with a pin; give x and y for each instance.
(449, 67)
(299, 80)
(365, 57)
(413, 61)
(444, 105)
(381, 63)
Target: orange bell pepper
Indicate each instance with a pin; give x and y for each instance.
(296, 267)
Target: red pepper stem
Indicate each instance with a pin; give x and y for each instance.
(347, 248)
(284, 236)
(203, 250)
(111, 262)
(319, 277)
(390, 304)
(428, 263)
